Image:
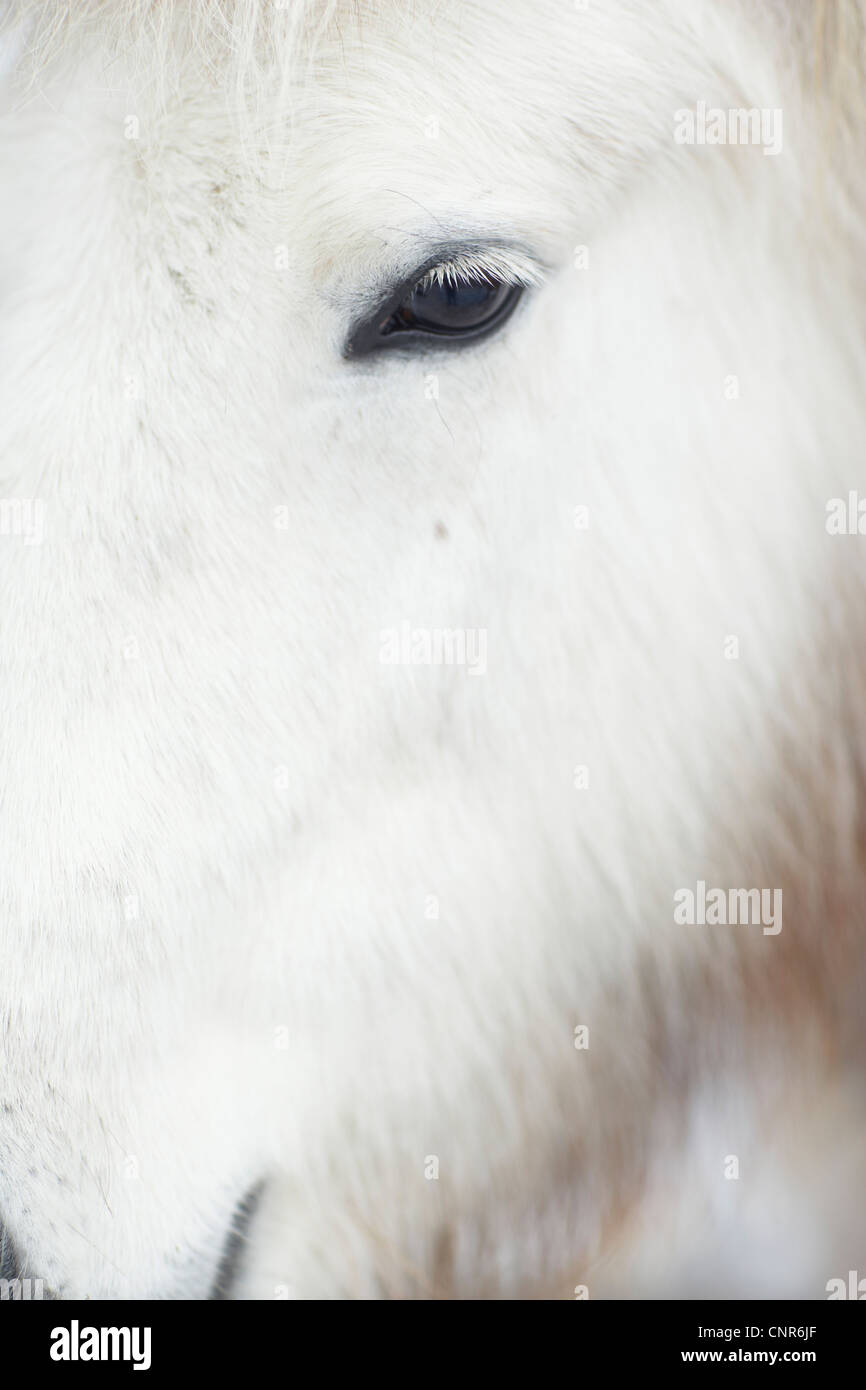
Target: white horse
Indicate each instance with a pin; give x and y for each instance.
(432, 757)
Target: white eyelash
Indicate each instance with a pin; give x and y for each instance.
(491, 264)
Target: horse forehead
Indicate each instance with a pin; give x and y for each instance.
(339, 122)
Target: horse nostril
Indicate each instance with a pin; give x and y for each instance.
(235, 1240)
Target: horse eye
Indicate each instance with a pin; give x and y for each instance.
(453, 308)
(457, 308)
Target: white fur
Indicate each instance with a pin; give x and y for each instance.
(223, 819)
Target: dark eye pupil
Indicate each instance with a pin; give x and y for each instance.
(456, 307)
(450, 307)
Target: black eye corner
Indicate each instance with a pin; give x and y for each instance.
(445, 303)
